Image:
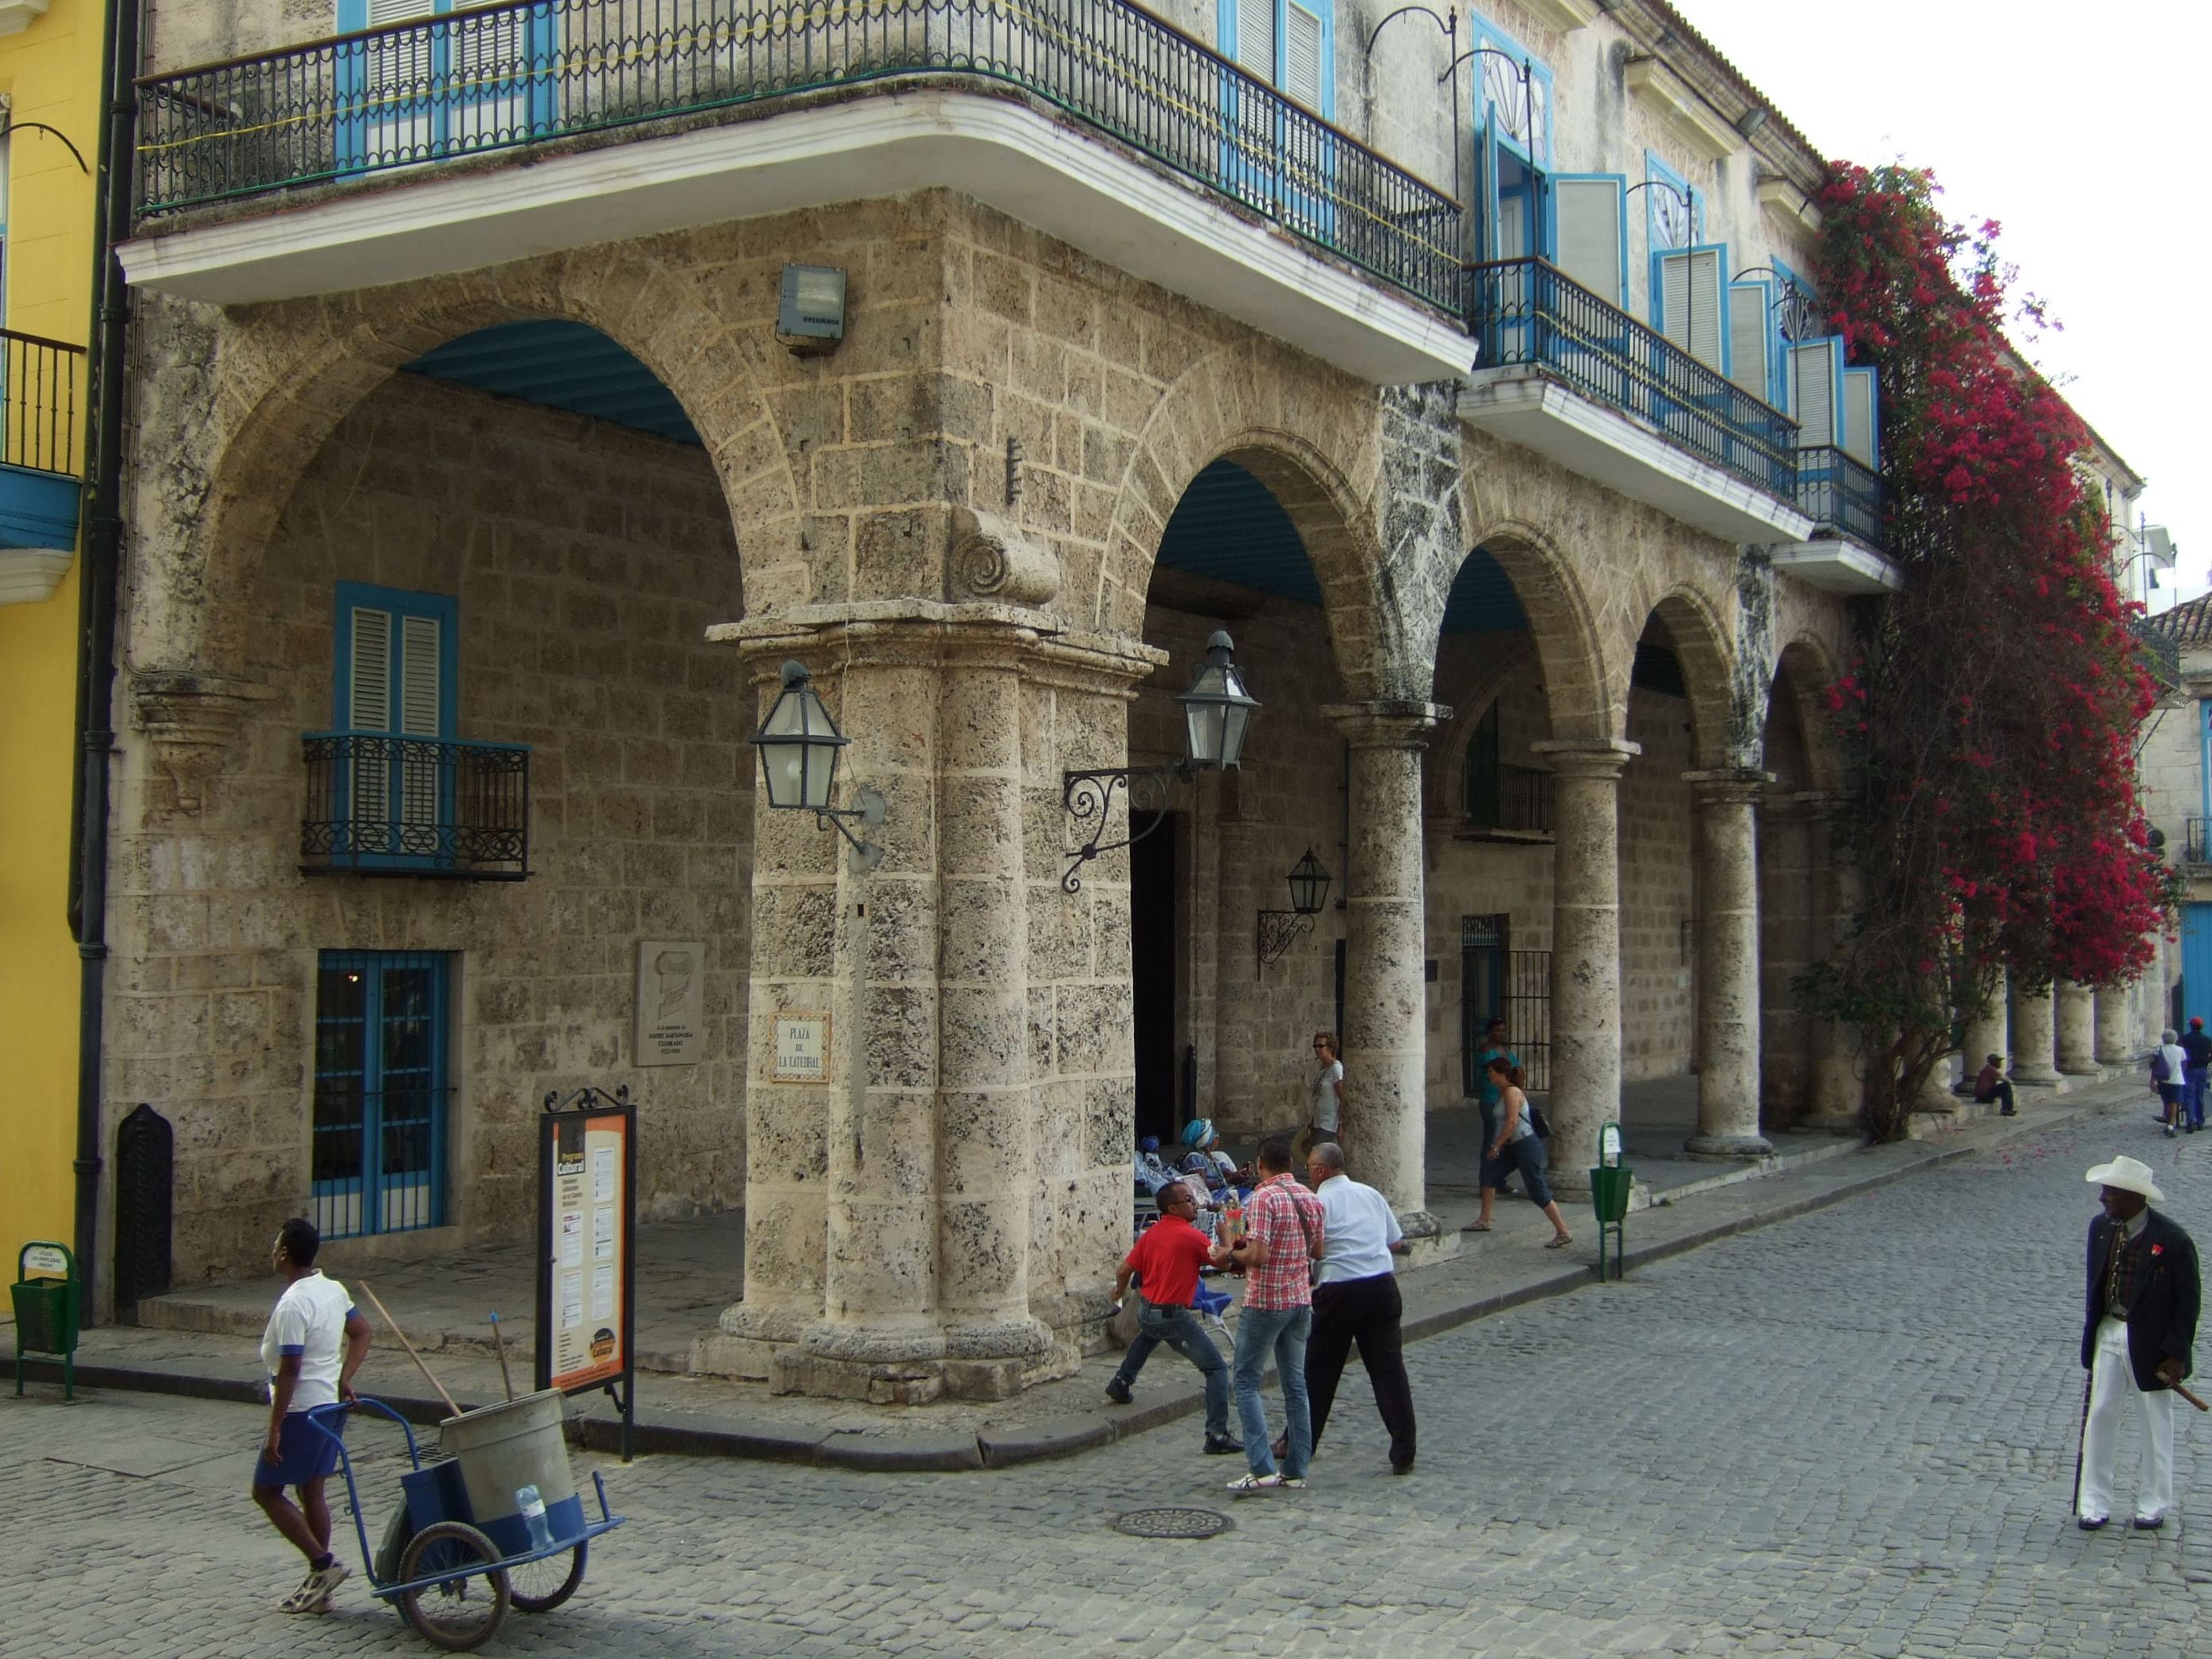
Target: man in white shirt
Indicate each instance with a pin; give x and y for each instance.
(1356, 1300)
(314, 1344)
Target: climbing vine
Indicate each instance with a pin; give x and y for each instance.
(1989, 713)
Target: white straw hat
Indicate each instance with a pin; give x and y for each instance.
(2128, 1175)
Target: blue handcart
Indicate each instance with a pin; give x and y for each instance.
(452, 1574)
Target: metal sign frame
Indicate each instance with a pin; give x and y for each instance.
(572, 1198)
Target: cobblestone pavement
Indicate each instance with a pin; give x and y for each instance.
(1852, 1433)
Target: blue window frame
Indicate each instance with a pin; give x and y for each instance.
(381, 1091)
(2204, 758)
(1283, 165)
(393, 677)
(1515, 128)
(481, 79)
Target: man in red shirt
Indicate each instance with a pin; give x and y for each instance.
(1164, 1261)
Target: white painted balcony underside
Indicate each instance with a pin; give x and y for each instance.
(1084, 190)
(1525, 406)
(1839, 566)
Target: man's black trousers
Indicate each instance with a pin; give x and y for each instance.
(1365, 1311)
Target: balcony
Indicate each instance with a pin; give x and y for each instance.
(1848, 505)
(2196, 849)
(666, 87)
(40, 431)
(382, 804)
(1563, 372)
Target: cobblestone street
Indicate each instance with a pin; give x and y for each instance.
(1851, 1433)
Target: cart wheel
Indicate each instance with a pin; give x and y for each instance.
(461, 1613)
(541, 1585)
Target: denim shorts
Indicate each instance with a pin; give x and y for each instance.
(304, 1452)
(1532, 1159)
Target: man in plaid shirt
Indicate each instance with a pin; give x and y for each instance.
(1283, 1237)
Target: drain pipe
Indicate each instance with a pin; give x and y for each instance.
(96, 614)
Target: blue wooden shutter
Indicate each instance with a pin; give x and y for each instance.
(1816, 391)
(1752, 338)
(1861, 439)
(1589, 232)
(1693, 311)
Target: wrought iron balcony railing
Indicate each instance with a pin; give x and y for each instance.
(2160, 652)
(1844, 493)
(380, 804)
(2198, 849)
(1529, 312)
(496, 77)
(39, 383)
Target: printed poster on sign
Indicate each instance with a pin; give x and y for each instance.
(589, 1242)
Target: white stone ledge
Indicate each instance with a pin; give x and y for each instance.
(1528, 407)
(1839, 566)
(1048, 174)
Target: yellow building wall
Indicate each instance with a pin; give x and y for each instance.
(50, 73)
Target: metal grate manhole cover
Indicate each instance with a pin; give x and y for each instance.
(1171, 1523)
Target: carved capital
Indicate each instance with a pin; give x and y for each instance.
(191, 718)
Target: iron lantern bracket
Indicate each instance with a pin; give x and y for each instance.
(1088, 795)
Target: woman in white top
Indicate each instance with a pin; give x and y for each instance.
(1518, 1147)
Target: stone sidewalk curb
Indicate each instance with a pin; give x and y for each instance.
(700, 1435)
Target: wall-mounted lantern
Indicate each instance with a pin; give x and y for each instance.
(1309, 883)
(1216, 713)
(810, 314)
(799, 745)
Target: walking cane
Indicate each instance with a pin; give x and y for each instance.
(2081, 1441)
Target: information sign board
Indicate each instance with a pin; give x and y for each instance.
(586, 1272)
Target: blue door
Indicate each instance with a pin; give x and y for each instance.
(380, 1092)
(2196, 961)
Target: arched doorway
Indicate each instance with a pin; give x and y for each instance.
(1217, 1032)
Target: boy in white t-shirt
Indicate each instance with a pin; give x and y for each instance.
(314, 1344)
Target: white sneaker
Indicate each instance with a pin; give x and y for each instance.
(1246, 1483)
(314, 1595)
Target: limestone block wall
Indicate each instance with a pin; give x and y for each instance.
(1657, 892)
(586, 562)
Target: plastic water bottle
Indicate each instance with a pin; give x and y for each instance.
(533, 1514)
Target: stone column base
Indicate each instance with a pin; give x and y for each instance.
(1431, 1240)
(2037, 1077)
(1725, 1149)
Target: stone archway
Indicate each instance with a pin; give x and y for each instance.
(1319, 462)
(1797, 898)
(284, 376)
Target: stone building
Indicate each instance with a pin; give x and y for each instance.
(2172, 763)
(1467, 376)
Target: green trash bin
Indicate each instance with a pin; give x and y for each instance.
(1609, 1187)
(49, 1308)
(1610, 1182)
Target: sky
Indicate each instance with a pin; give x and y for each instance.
(2077, 129)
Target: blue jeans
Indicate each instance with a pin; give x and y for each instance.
(1277, 1334)
(2192, 1094)
(1179, 1328)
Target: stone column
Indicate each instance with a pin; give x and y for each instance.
(2034, 1042)
(2078, 1029)
(1385, 998)
(2115, 1025)
(1839, 1085)
(1728, 965)
(1585, 950)
(1987, 1029)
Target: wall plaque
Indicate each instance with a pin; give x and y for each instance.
(672, 1000)
(802, 1049)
